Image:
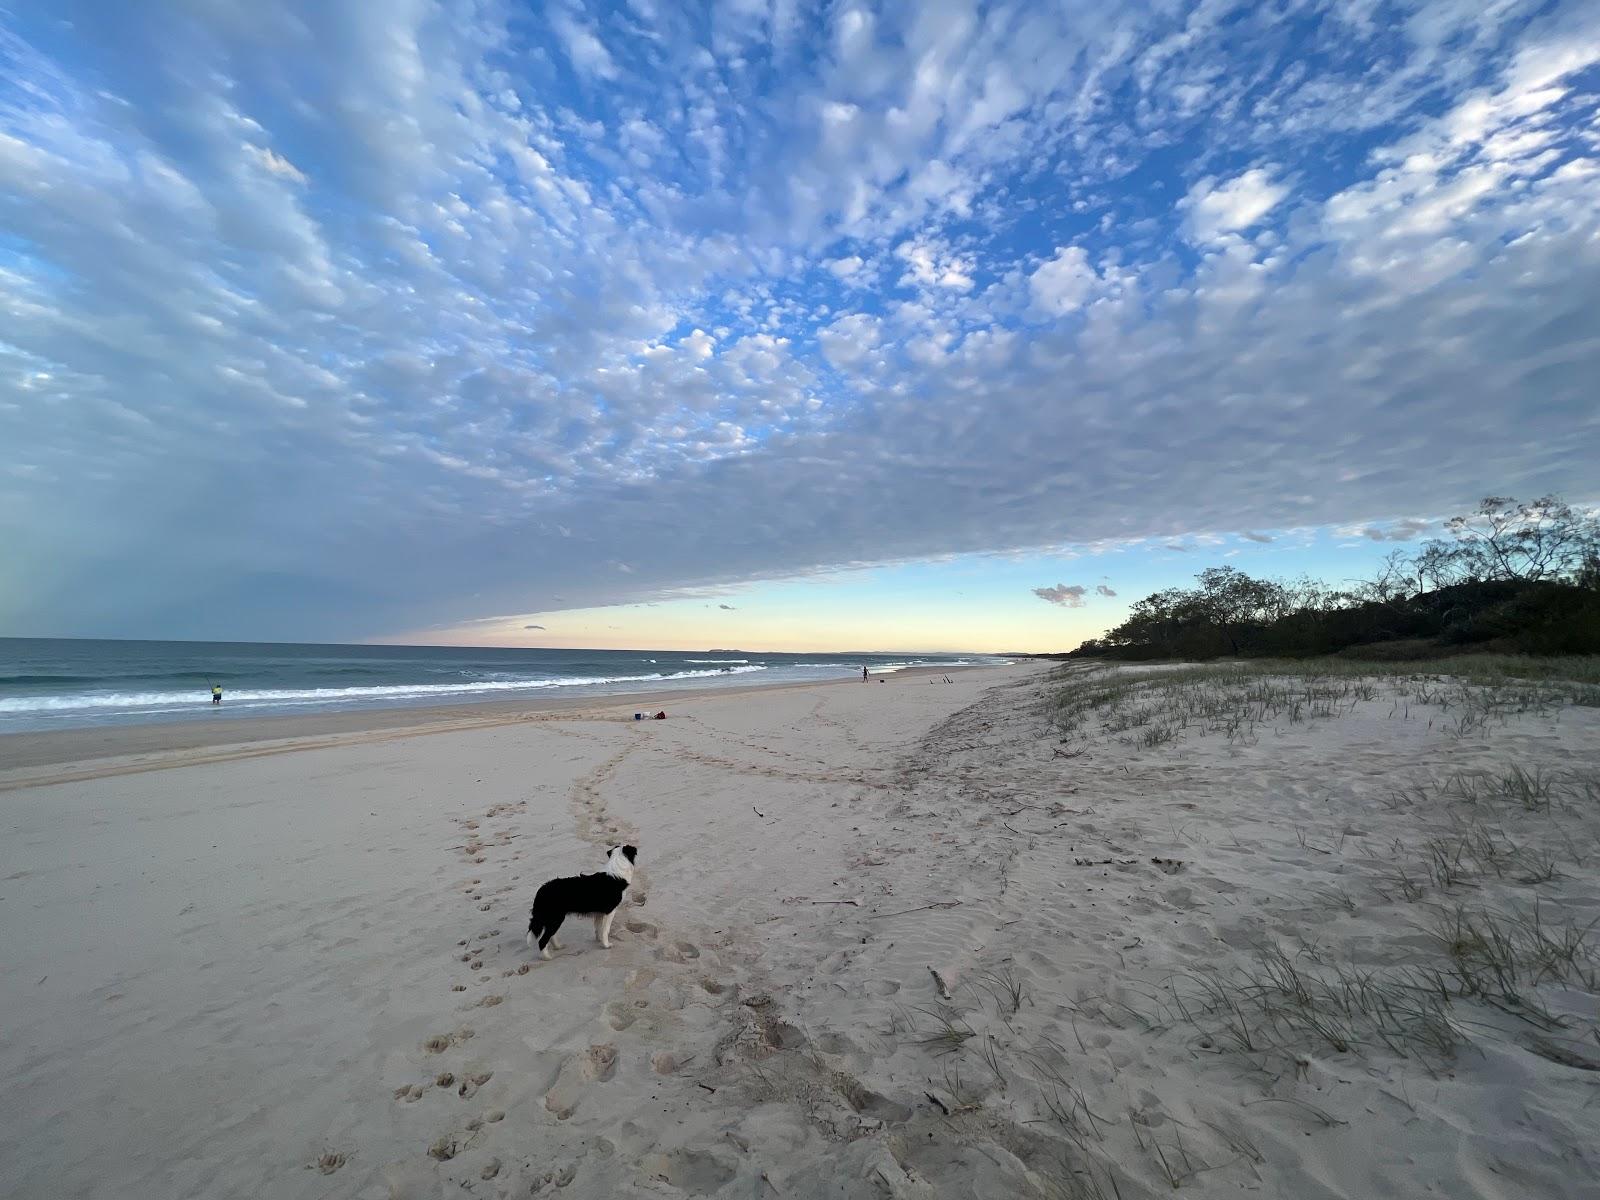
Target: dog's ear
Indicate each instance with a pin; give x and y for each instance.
(630, 851)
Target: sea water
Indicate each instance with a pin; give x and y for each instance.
(55, 683)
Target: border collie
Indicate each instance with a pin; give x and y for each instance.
(598, 895)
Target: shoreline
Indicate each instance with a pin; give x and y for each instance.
(156, 745)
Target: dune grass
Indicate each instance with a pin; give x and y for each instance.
(1151, 706)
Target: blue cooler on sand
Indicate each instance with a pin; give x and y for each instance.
(638, 716)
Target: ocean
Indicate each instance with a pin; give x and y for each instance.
(58, 684)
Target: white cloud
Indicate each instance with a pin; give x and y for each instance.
(699, 344)
(1062, 594)
(1237, 204)
(1064, 283)
(931, 264)
(276, 163)
(850, 339)
(445, 347)
(585, 51)
(1405, 529)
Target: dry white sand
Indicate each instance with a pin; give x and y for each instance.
(887, 939)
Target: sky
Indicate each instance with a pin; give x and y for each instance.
(758, 323)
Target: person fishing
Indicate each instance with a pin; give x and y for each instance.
(216, 693)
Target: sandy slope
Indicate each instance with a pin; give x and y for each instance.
(863, 960)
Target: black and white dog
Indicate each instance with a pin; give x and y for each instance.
(598, 896)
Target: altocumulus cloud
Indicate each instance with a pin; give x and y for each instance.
(373, 317)
(1067, 596)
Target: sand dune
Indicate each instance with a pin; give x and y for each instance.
(888, 939)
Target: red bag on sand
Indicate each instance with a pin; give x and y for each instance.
(660, 716)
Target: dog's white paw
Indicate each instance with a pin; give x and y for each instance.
(545, 953)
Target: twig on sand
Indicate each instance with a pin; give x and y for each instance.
(937, 1101)
(939, 982)
(856, 903)
(924, 908)
(758, 812)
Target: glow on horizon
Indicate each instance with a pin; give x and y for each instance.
(982, 604)
(647, 627)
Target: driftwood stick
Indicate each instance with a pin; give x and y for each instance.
(902, 912)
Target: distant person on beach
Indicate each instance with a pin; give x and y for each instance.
(216, 693)
(863, 674)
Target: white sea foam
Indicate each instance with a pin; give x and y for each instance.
(109, 702)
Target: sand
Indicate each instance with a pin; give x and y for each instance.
(894, 939)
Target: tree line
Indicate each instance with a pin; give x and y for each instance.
(1511, 576)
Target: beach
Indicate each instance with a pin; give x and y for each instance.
(999, 931)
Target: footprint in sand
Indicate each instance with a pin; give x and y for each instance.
(490, 1169)
(485, 907)
(491, 1001)
(559, 1179)
(882, 987)
(444, 1080)
(698, 1172)
(330, 1162)
(640, 979)
(441, 1042)
(620, 1015)
(470, 1085)
(681, 952)
(595, 1065)
(663, 1063)
(410, 1093)
(712, 986)
(643, 928)
(459, 987)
